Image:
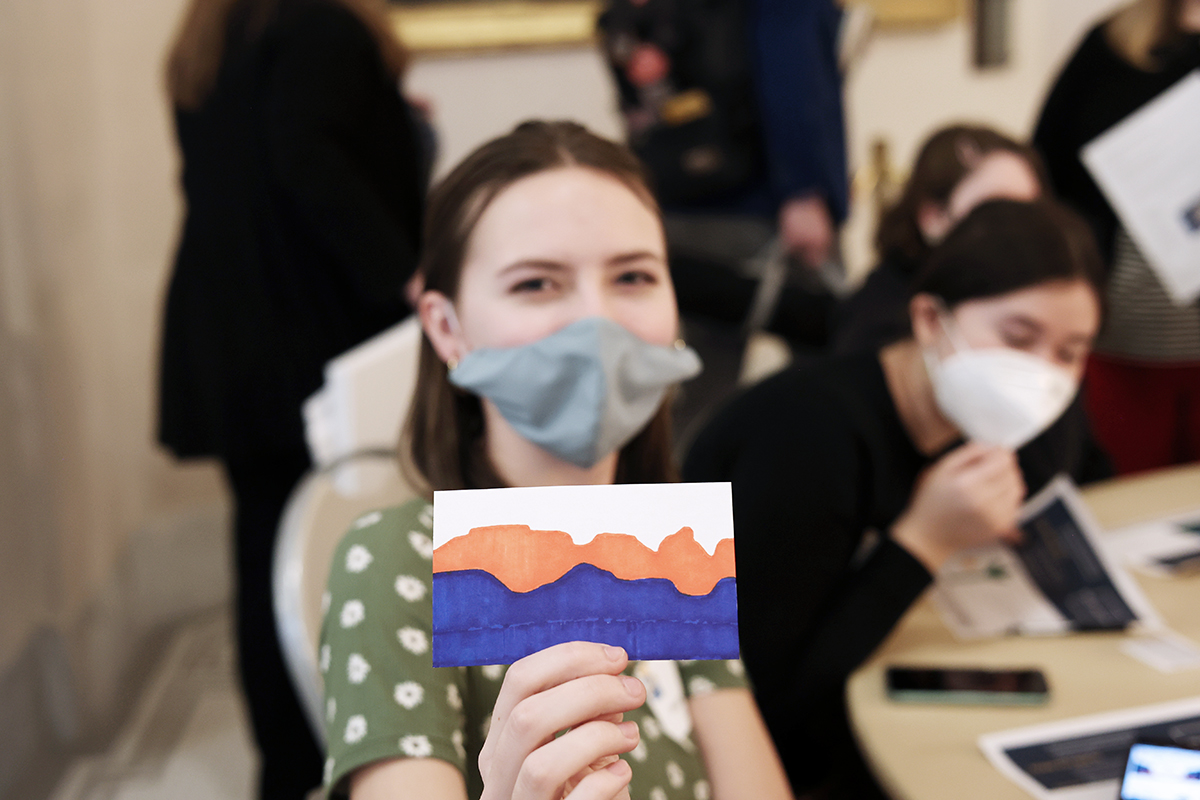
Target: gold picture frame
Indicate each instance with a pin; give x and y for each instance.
(914, 13)
(495, 24)
(466, 25)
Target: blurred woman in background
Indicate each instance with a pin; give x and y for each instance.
(304, 178)
(855, 479)
(957, 168)
(1143, 385)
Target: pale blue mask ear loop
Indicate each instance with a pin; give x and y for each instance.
(456, 329)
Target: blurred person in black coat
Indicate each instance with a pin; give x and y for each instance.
(1143, 379)
(304, 174)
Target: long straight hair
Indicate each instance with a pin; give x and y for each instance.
(194, 59)
(442, 446)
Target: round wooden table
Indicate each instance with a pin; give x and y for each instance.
(927, 752)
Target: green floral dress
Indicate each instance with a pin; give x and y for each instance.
(384, 699)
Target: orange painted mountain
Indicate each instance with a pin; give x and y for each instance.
(524, 559)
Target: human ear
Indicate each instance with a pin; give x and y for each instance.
(440, 323)
(933, 220)
(926, 321)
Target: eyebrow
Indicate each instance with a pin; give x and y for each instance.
(620, 259)
(533, 263)
(635, 255)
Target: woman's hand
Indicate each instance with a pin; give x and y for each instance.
(575, 687)
(968, 498)
(807, 230)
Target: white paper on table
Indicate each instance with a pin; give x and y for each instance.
(1166, 651)
(990, 592)
(1144, 545)
(1148, 166)
(1114, 730)
(986, 592)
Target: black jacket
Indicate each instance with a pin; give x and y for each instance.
(876, 314)
(304, 181)
(1097, 89)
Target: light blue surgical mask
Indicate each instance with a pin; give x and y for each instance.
(583, 391)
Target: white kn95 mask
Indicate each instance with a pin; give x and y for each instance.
(997, 395)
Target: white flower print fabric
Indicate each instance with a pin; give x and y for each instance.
(416, 746)
(385, 700)
(410, 588)
(353, 613)
(409, 694)
(358, 558)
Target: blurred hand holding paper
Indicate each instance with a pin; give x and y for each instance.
(1148, 166)
(1060, 578)
(647, 567)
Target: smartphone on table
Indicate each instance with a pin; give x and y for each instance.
(1162, 770)
(967, 686)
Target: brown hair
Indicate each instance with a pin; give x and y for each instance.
(442, 445)
(944, 160)
(1149, 33)
(194, 60)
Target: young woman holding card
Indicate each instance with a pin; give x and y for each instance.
(855, 479)
(545, 258)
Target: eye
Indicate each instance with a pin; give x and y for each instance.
(1019, 340)
(637, 277)
(532, 286)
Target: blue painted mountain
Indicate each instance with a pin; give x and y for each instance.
(478, 620)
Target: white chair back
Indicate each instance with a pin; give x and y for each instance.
(317, 514)
(365, 398)
(352, 426)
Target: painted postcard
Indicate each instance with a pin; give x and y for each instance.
(646, 567)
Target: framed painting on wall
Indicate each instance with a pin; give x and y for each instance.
(906, 13)
(433, 26)
(464, 25)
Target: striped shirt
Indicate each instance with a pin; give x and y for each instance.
(1142, 321)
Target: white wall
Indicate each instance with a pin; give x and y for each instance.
(909, 83)
(478, 98)
(88, 216)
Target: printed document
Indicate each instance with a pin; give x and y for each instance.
(1148, 166)
(1057, 580)
(1084, 758)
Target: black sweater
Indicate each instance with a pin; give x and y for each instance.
(876, 314)
(818, 457)
(1097, 89)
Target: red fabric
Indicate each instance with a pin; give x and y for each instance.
(1144, 415)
